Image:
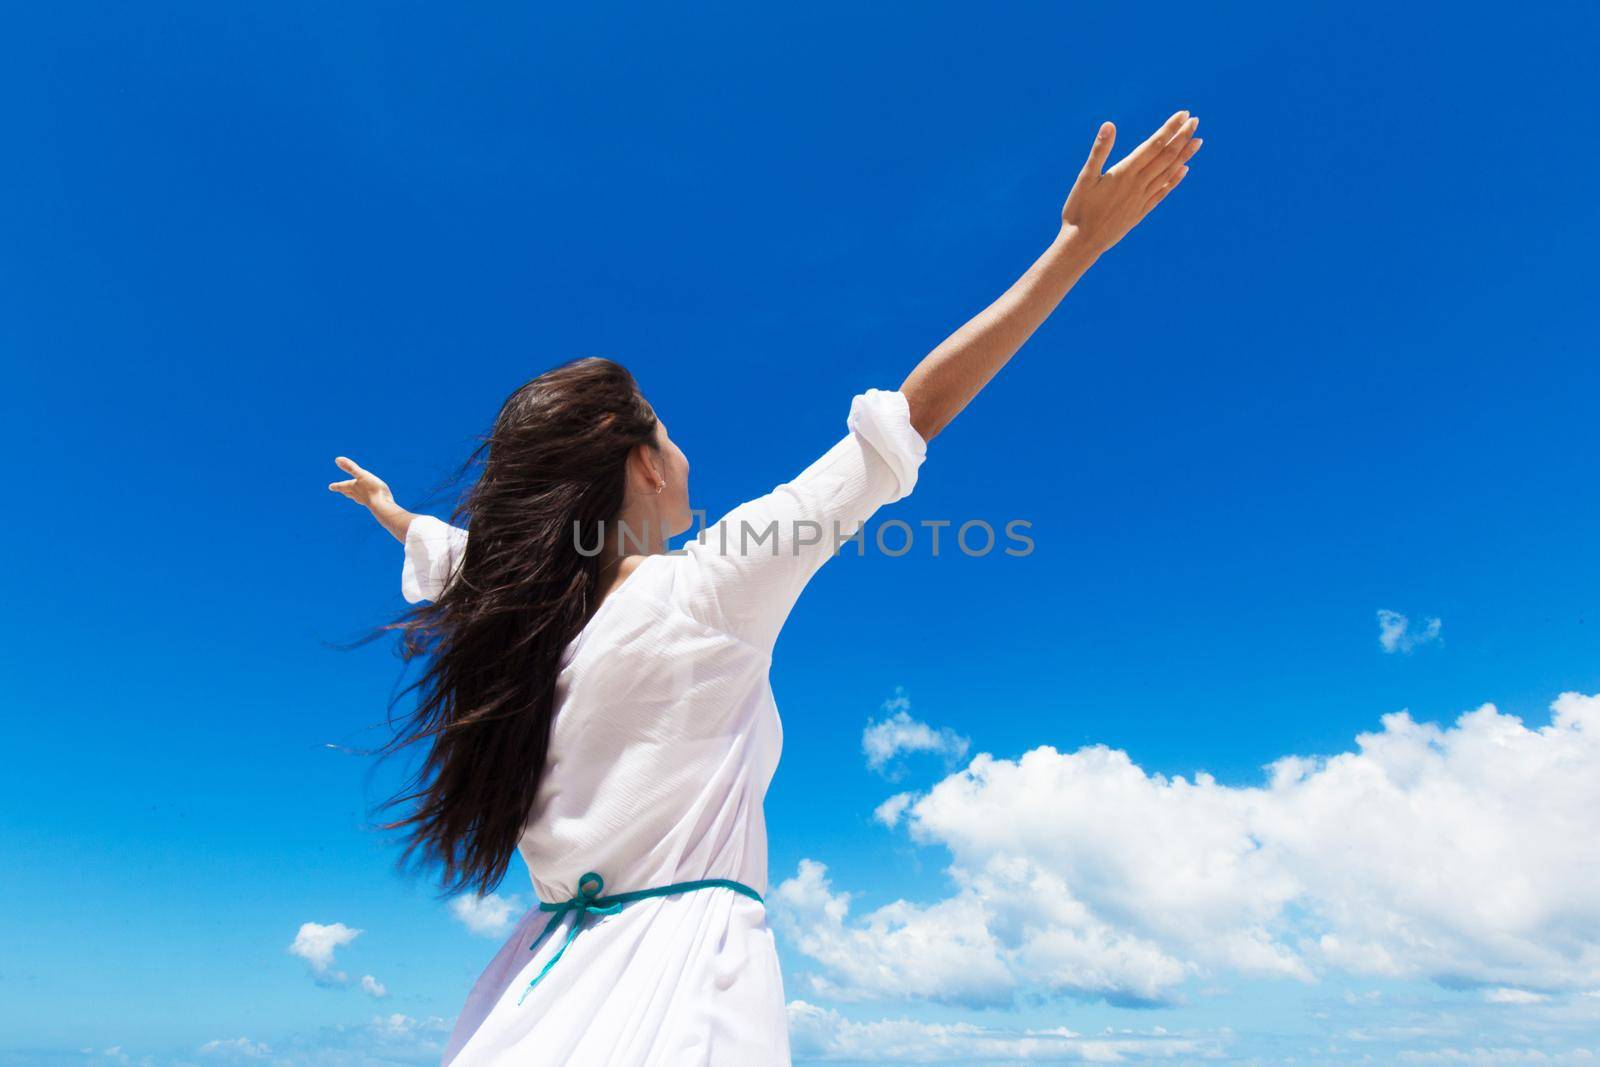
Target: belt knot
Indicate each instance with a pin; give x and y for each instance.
(590, 900)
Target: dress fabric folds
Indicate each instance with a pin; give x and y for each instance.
(665, 737)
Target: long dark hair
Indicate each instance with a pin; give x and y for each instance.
(554, 475)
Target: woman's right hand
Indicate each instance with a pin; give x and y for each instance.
(364, 487)
(372, 493)
(1103, 207)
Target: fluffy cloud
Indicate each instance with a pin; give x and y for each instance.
(820, 1034)
(384, 1041)
(1463, 854)
(890, 810)
(488, 916)
(898, 733)
(944, 952)
(1463, 1027)
(241, 1047)
(1497, 1056)
(398, 1025)
(1396, 635)
(316, 944)
(1504, 995)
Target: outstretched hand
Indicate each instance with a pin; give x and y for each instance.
(365, 488)
(370, 491)
(1104, 205)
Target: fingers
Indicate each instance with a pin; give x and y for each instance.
(1165, 175)
(348, 486)
(1156, 168)
(1162, 190)
(1135, 161)
(1100, 151)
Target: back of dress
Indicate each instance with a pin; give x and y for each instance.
(665, 738)
(664, 741)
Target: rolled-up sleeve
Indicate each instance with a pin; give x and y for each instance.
(434, 549)
(747, 570)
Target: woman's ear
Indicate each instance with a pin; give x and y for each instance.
(647, 465)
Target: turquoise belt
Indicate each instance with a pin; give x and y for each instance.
(589, 902)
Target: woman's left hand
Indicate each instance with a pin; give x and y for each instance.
(1104, 206)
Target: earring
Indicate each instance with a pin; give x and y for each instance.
(660, 485)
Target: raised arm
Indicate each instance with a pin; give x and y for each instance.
(434, 548)
(1101, 208)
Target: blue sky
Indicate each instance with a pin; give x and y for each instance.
(1349, 367)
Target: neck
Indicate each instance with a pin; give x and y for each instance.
(634, 532)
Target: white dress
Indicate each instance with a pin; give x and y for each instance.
(665, 737)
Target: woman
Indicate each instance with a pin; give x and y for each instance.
(601, 704)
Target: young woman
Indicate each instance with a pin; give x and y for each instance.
(601, 704)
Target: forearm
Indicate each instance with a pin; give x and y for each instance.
(953, 373)
(392, 517)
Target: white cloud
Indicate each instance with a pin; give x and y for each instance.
(899, 733)
(372, 987)
(237, 1046)
(1495, 1056)
(316, 944)
(944, 952)
(890, 810)
(398, 1025)
(386, 1040)
(821, 1034)
(487, 916)
(1506, 995)
(1395, 633)
(1464, 854)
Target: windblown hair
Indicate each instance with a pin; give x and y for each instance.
(554, 475)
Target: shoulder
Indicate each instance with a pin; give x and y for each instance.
(626, 568)
(624, 575)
